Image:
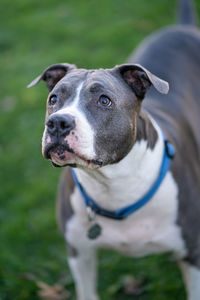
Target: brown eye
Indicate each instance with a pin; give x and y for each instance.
(105, 101)
(52, 99)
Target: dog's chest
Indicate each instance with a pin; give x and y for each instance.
(151, 229)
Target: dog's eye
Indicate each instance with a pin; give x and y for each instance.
(52, 99)
(105, 101)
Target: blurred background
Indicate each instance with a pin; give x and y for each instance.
(33, 35)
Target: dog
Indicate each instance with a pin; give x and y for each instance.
(131, 180)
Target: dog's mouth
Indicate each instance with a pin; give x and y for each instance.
(61, 155)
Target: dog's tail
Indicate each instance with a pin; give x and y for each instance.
(186, 13)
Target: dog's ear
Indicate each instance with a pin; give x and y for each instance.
(140, 79)
(52, 75)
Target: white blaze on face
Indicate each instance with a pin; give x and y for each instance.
(81, 138)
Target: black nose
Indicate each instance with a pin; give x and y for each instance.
(60, 125)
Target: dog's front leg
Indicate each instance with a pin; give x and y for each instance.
(191, 275)
(84, 271)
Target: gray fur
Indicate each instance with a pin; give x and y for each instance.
(65, 190)
(173, 54)
(64, 208)
(145, 130)
(186, 13)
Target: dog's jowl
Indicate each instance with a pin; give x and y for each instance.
(129, 140)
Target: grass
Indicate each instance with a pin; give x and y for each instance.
(35, 34)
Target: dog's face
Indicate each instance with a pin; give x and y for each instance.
(91, 117)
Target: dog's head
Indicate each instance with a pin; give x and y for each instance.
(91, 117)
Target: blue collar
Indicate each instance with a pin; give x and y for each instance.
(127, 210)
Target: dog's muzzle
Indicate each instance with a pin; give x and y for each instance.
(58, 127)
(62, 147)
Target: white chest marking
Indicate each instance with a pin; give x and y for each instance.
(152, 228)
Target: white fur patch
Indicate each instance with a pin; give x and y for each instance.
(192, 280)
(81, 139)
(151, 229)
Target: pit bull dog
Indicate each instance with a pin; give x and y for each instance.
(122, 186)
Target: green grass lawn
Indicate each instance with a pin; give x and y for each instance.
(33, 35)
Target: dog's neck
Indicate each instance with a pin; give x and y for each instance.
(117, 185)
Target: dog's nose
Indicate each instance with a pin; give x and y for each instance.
(60, 125)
